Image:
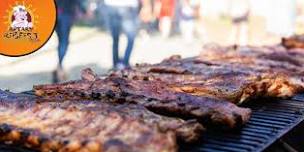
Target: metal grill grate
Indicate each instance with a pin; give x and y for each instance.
(270, 121)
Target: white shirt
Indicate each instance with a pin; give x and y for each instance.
(122, 3)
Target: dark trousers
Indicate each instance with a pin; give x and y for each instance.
(63, 28)
(122, 20)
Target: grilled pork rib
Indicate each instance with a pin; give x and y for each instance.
(281, 69)
(186, 131)
(236, 75)
(154, 95)
(78, 126)
(296, 41)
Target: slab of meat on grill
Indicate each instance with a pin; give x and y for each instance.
(285, 68)
(225, 83)
(186, 130)
(296, 41)
(154, 95)
(226, 73)
(220, 83)
(267, 57)
(71, 126)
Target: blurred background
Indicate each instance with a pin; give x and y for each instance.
(160, 28)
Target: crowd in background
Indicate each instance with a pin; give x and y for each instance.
(168, 17)
(186, 17)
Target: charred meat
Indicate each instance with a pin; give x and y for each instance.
(296, 41)
(229, 73)
(76, 126)
(155, 96)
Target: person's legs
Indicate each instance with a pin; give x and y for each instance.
(165, 24)
(187, 30)
(115, 29)
(59, 34)
(64, 25)
(130, 27)
(200, 28)
(243, 34)
(63, 28)
(131, 39)
(234, 34)
(115, 32)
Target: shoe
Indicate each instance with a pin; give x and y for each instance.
(54, 77)
(59, 75)
(120, 66)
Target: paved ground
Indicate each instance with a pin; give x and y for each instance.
(91, 47)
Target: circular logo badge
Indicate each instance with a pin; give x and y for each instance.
(25, 25)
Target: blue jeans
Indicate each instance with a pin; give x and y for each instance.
(122, 20)
(63, 28)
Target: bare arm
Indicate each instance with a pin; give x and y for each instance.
(146, 11)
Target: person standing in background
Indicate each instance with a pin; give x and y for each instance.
(165, 10)
(122, 16)
(147, 19)
(188, 13)
(66, 13)
(239, 13)
(200, 26)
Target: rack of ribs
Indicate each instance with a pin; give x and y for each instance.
(233, 74)
(281, 69)
(186, 131)
(154, 95)
(72, 126)
(296, 41)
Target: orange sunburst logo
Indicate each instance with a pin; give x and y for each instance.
(25, 25)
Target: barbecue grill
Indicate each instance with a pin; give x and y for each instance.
(270, 121)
